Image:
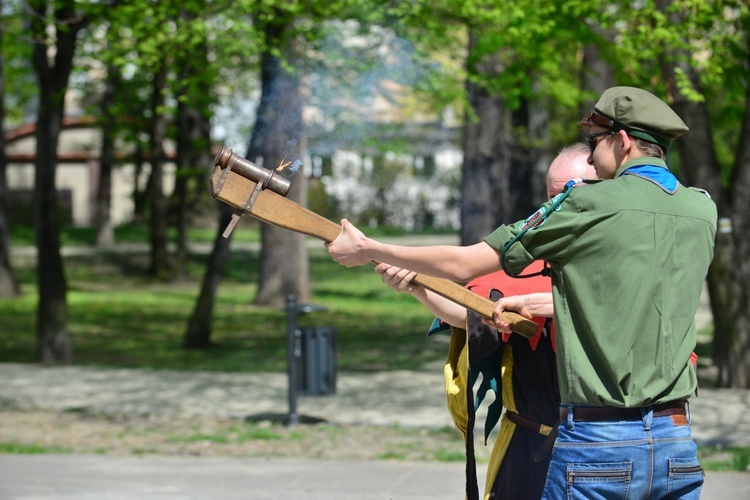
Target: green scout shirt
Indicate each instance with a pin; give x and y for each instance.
(628, 263)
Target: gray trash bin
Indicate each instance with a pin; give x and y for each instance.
(317, 361)
(311, 357)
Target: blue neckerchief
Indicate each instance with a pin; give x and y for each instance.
(658, 175)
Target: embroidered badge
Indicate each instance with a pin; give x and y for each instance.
(534, 221)
(538, 218)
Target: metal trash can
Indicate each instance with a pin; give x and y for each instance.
(311, 357)
(317, 361)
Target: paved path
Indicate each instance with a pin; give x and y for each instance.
(71, 477)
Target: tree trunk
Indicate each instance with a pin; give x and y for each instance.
(729, 272)
(194, 157)
(182, 164)
(700, 168)
(53, 342)
(485, 198)
(160, 267)
(529, 162)
(193, 152)
(198, 334)
(105, 233)
(140, 196)
(193, 170)
(8, 283)
(500, 182)
(724, 293)
(278, 139)
(736, 372)
(598, 75)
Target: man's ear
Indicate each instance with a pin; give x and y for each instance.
(625, 140)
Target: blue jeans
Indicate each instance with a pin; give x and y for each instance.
(648, 458)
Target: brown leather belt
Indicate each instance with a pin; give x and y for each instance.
(610, 413)
(527, 424)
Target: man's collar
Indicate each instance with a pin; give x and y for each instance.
(643, 160)
(656, 172)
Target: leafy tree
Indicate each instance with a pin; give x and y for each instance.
(277, 140)
(285, 35)
(198, 332)
(520, 74)
(235, 56)
(105, 233)
(195, 91)
(65, 22)
(694, 53)
(148, 53)
(706, 92)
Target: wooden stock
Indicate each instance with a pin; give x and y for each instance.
(274, 209)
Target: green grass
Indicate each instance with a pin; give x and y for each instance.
(30, 449)
(725, 459)
(232, 434)
(117, 317)
(133, 233)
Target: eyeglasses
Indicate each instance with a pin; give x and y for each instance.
(592, 142)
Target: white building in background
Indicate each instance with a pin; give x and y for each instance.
(425, 187)
(77, 177)
(412, 195)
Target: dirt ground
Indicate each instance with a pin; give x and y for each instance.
(46, 432)
(23, 431)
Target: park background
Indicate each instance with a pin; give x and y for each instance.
(409, 117)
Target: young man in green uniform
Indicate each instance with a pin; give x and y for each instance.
(629, 256)
(521, 372)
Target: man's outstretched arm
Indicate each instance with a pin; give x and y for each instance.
(458, 263)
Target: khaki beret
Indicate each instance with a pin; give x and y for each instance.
(639, 113)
